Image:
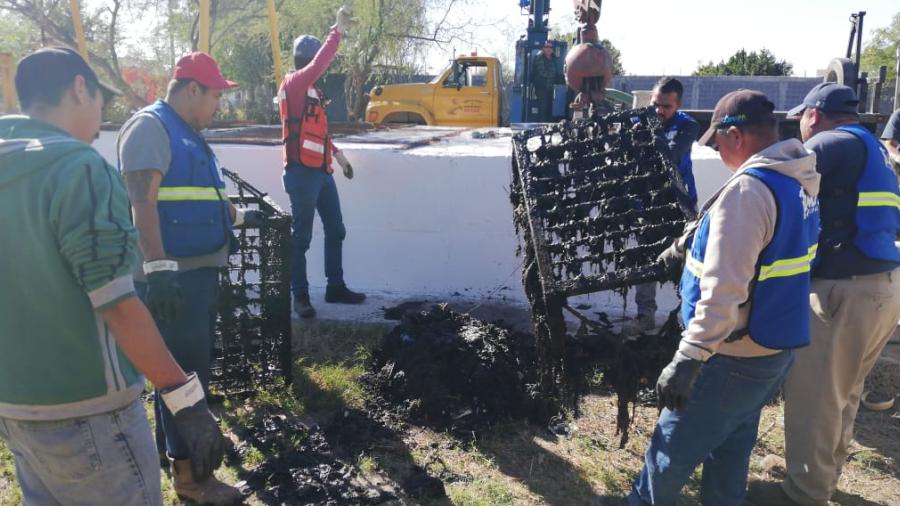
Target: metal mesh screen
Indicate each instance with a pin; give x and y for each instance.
(252, 346)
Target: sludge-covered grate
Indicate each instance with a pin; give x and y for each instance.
(594, 203)
(252, 346)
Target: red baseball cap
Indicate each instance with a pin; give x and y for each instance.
(202, 68)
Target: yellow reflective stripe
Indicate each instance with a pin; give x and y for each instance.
(694, 266)
(878, 199)
(170, 193)
(788, 266)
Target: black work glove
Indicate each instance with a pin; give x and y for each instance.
(254, 219)
(672, 259)
(164, 294)
(197, 427)
(675, 382)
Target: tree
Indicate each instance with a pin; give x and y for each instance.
(881, 50)
(52, 19)
(742, 63)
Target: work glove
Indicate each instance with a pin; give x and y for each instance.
(250, 218)
(345, 164)
(163, 290)
(672, 259)
(675, 382)
(197, 426)
(344, 20)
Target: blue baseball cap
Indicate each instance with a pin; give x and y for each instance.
(828, 97)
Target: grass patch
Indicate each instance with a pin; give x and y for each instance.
(482, 492)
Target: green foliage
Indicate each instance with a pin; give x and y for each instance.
(882, 50)
(742, 63)
(616, 56)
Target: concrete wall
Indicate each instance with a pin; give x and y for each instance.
(430, 222)
(704, 92)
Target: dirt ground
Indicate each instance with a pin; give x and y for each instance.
(514, 462)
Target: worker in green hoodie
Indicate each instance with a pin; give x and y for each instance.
(74, 338)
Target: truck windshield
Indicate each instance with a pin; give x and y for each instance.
(473, 73)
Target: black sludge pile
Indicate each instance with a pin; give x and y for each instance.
(449, 371)
(299, 467)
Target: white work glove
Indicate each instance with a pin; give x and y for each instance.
(345, 164)
(344, 20)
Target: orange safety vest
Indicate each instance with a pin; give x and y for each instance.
(305, 130)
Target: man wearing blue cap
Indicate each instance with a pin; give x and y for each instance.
(308, 155)
(854, 300)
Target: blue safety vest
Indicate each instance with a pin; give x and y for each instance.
(779, 294)
(685, 165)
(194, 216)
(878, 203)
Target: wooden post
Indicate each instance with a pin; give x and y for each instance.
(203, 40)
(9, 92)
(79, 29)
(276, 43)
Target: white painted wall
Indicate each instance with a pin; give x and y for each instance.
(424, 222)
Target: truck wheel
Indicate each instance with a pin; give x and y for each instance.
(841, 71)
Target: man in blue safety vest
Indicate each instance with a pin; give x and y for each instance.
(744, 290)
(855, 300)
(679, 131)
(185, 222)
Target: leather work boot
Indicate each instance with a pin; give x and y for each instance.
(343, 295)
(767, 493)
(303, 307)
(211, 491)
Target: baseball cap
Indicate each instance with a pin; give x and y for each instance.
(548, 43)
(202, 68)
(892, 129)
(54, 68)
(829, 97)
(740, 107)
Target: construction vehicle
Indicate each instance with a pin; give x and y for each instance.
(471, 91)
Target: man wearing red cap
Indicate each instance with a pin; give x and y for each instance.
(185, 224)
(308, 153)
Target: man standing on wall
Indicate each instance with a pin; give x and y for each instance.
(74, 338)
(184, 220)
(679, 133)
(308, 180)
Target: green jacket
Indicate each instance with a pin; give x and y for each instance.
(544, 73)
(67, 250)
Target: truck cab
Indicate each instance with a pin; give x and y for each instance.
(468, 93)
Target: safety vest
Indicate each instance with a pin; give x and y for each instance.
(779, 293)
(305, 130)
(194, 216)
(685, 165)
(878, 201)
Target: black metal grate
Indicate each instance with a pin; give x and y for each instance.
(595, 202)
(252, 346)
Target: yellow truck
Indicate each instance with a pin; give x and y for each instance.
(467, 93)
(470, 93)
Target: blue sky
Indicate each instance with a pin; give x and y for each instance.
(671, 37)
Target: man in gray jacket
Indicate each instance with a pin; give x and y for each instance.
(744, 287)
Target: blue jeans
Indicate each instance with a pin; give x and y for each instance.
(100, 459)
(190, 340)
(717, 428)
(313, 190)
